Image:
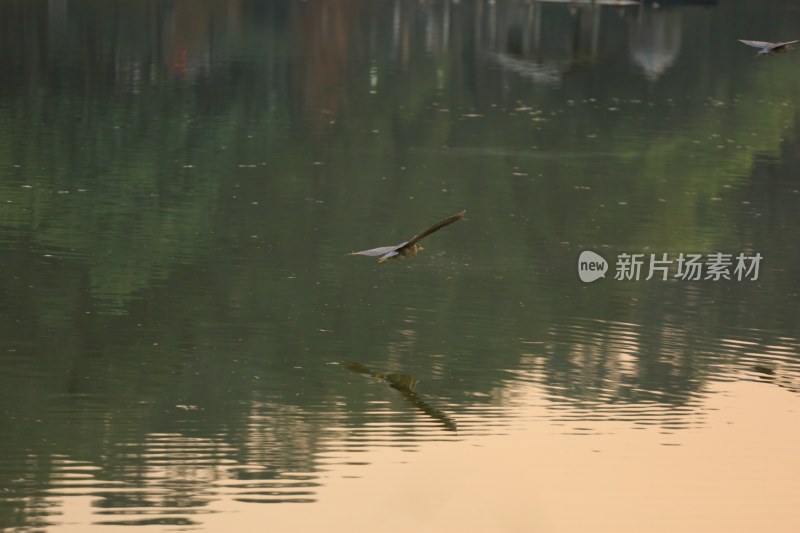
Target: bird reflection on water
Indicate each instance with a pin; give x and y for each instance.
(404, 383)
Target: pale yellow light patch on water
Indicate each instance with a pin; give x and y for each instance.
(737, 470)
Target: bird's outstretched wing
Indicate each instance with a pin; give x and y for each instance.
(759, 44)
(388, 252)
(374, 252)
(787, 43)
(439, 225)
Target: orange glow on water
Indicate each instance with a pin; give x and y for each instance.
(719, 476)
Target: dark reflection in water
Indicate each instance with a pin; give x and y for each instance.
(180, 183)
(404, 383)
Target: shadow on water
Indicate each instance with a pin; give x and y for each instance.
(769, 373)
(404, 384)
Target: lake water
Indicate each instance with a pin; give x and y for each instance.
(186, 346)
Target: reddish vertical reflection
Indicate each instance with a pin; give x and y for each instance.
(324, 34)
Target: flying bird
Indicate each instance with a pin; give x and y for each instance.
(770, 48)
(409, 248)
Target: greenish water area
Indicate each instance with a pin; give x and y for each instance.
(185, 339)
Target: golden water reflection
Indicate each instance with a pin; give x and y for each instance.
(625, 478)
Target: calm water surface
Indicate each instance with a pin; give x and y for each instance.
(186, 347)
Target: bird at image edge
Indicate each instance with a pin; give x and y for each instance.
(767, 48)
